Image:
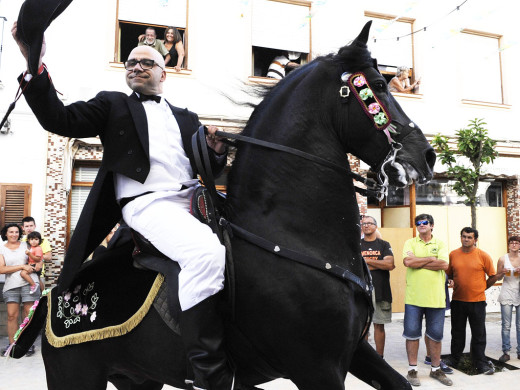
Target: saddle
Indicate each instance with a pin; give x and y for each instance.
(146, 256)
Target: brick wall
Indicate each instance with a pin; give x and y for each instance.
(513, 207)
(56, 200)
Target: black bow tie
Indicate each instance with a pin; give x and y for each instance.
(155, 98)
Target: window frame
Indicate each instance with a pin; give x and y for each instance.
(304, 58)
(74, 183)
(118, 62)
(499, 38)
(385, 71)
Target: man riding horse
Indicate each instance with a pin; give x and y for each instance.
(147, 176)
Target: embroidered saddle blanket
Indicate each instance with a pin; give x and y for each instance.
(109, 298)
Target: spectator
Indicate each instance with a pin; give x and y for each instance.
(150, 39)
(29, 225)
(468, 268)
(35, 256)
(380, 260)
(173, 43)
(16, 290)
(509, 268)
(426, 258)
(400, 82)
(277, 69)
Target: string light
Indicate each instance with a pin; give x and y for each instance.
(424, 28)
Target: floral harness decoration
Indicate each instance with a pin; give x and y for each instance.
(373, 107)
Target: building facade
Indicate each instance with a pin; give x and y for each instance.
(464, 58)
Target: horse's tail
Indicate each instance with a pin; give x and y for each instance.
(372, 369)
(32, 327)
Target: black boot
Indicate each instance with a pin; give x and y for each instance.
(202, 331)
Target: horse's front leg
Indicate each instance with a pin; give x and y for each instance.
(371, 368)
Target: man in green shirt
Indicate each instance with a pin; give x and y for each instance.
(427, 260)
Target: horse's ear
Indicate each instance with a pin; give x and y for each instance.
(363, 35)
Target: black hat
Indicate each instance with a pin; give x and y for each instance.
(34, 18)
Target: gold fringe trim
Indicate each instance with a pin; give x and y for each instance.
(104, 333)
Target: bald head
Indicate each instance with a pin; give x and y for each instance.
(146, 81)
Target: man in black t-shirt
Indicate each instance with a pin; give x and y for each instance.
(380, 260)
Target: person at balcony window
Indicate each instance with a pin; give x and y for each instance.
(173, 42)
(278, 68)
(401, 83)
(150, 39)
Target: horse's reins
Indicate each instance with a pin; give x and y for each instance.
(373, 188)
(358, 85)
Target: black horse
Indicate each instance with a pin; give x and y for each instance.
(288, 320)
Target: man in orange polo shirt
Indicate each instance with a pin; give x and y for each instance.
(468, 268)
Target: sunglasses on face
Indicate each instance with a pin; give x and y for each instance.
(421, 223)
(145, 63)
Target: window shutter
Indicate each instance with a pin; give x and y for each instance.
(14, 203)
(78, 197)
(387, 49)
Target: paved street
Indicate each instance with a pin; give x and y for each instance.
(28, 373)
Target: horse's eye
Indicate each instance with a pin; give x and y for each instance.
(380, 86)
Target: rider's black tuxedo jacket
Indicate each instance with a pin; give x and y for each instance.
(120, 121)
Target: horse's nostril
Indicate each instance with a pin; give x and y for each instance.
(430, 157)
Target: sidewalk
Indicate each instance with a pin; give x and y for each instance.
(29, 373)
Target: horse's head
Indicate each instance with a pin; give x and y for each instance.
(372, 125)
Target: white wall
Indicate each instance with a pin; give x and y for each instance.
(80, 45)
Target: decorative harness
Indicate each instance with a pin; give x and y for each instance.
(357, 85)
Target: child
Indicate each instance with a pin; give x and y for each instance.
(34, 239)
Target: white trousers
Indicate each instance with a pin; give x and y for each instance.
(167, 223)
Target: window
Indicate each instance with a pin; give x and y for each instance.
(15, 203)
(133, 18)
(481, 73)
(440, 192)
(83, 177)
(389, 51)
(279, 27)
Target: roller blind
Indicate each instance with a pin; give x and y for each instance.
(78, 196)
(480, 61)
(281, 26)
(387, 49)
(161, 12)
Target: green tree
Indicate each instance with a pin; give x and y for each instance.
(473, 143)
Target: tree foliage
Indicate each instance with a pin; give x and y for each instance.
(473, 143)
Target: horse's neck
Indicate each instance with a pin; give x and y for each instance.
(293, 201)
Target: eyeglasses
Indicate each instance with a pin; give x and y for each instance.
(368, 223)
(421, 223)
(514, 243)
(145, 63)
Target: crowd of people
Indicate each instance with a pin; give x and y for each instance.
(430, 269)
(22, 254)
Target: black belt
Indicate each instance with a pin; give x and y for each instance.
(124, 201)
